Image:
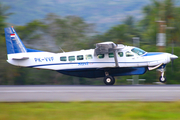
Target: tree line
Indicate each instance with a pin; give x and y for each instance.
(54, 33)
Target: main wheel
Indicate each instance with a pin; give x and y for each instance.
(162, 79)
(109, 80)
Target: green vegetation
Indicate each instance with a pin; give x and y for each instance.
(91, 111)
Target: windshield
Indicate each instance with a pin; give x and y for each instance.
(138, 51)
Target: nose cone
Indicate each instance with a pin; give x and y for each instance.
(173, 57)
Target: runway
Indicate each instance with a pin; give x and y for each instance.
(89, 93)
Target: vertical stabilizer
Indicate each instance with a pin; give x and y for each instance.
(13, 42)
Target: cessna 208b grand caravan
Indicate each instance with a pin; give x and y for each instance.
(106, 60)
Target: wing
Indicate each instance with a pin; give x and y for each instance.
(108, 47)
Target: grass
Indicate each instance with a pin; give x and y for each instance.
(90, 111)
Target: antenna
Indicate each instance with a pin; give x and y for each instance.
(61, 49)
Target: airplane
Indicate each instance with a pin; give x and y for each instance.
(106, 60)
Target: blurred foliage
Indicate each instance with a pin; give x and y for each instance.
(73, 33)
(68, 29)
(160, 10)
(122, 33)
(60, 30)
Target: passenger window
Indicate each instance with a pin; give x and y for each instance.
(129, 54)
(100, 56)
(88, 57)
(111, 55)
(120, 54)
(63, 58)
(71, 58)
(80, 57)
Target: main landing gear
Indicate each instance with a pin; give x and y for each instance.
(162, 78)
(109, 80)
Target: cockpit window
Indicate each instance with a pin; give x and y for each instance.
(129, 54)
(138, 51)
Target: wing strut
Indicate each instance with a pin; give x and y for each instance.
(115, 56)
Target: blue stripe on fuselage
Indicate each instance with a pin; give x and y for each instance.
(152, 53)
(87, 63)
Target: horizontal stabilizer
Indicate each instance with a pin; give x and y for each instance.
(20, 58)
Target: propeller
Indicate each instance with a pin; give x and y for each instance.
(172, 52)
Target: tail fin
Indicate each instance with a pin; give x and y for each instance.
(13, 42)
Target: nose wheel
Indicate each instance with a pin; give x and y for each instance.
(162, 78)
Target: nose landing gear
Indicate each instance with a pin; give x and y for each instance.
(162, 78)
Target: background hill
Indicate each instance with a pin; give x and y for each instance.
(104, 13)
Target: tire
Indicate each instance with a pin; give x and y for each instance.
(109, 80)
(162, 79)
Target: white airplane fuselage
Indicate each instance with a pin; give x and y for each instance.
(48, 60)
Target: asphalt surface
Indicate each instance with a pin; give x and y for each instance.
(89, 93)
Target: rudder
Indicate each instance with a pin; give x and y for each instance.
(13, 42)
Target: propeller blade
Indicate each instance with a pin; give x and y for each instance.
(172, 51)
(172, 64)
(174, 57)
